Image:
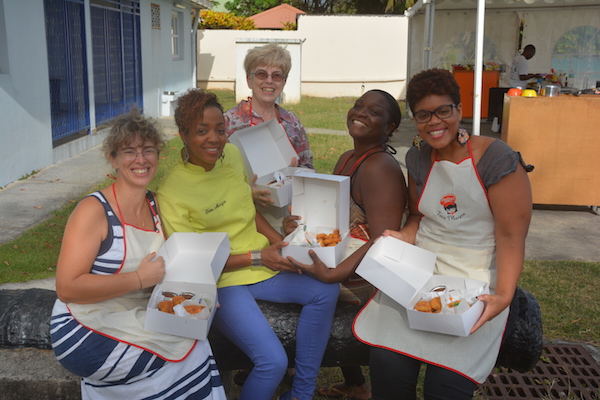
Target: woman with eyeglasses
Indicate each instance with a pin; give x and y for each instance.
(105, 274)
(470, 204)
(267, 68)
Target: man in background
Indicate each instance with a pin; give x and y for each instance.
(519, 70)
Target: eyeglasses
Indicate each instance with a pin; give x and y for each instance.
(442, 112)
(263, 75)
(131, 154)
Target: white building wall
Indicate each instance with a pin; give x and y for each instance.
(25, 122)
(342, 55)
(25, 132)
(162, 73)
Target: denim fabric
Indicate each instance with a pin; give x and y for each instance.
(241, 320)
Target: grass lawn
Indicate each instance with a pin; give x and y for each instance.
(565, 289)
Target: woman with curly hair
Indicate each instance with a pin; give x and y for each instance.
(105, 275)
(209, 191)
(470, 204)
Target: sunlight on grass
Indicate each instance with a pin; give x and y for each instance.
(566, 291)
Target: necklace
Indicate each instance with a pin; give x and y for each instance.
(141, 223)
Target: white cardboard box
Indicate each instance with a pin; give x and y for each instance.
(193, 263)
(402, 271)
(266, 149)
(323, 202)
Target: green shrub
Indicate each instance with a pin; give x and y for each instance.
(222, 20)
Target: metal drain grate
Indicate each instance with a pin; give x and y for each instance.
(564, 372)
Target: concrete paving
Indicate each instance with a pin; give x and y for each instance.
(556, 233)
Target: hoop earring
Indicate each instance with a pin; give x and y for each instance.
(185, 156)
(418, 141)
(463, 136)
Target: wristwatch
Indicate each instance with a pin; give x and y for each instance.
(255, 258)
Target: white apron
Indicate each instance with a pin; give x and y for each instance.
(123, 317)
(458, 226)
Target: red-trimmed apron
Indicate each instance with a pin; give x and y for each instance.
(123, 317)
(458, 226)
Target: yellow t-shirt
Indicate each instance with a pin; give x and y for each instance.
(192, 199)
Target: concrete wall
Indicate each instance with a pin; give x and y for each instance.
(25, 134)
(292, 91)
(342, 55)
(25, 121)
(162, 73)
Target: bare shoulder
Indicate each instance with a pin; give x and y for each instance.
(382, 162)
(343, 158)
(89, 214)
(380, 170)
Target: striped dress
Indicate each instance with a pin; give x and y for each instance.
(114, 368)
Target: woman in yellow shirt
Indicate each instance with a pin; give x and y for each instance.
(209, 191)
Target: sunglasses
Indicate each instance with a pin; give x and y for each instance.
(263, 75)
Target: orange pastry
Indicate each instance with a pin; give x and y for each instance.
(193, 308)
(166, 306)
(436, 304)
(178, 300)
(423, 306)
(329, 239)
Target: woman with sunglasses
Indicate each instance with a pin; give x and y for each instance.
(470, 204)
(267, 69)
(104, 278)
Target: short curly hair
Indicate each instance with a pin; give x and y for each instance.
(433, 81)
(191, 106)
(270, 55)
(126, 128)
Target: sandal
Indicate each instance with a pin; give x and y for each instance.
(340, 390)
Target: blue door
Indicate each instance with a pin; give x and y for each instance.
(117, 57)
(67, 66)
(117, 69)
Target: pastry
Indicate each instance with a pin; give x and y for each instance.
(423, 306)
(166, 306)
(193, 308)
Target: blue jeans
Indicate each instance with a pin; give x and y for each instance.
(240, 319)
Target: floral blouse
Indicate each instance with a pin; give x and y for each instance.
(239, 117)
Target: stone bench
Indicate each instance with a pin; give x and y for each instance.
(25, 318)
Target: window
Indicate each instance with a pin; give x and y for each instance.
(155, 15)
(176, 38)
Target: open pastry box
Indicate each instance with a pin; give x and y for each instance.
(323, 202)
(193, 263)
(405, 273)
(267, 150)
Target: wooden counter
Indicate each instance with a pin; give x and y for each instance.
(560, 137)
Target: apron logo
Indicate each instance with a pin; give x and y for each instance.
(449, 203)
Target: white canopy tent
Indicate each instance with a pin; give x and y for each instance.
(566, 34)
